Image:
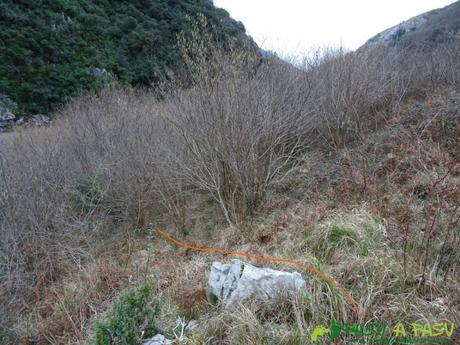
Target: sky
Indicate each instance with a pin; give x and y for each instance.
(296, 27)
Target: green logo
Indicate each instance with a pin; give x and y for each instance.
(319, 331)
(374, 332)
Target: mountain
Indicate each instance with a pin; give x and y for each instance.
(423, 31)
(52, 50)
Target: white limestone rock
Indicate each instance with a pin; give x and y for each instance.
(159, 339)
(238, 281)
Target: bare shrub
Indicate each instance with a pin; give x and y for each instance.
(240, 125)
(244, 123)
(231, 141)
(63, 188)
(351, 93)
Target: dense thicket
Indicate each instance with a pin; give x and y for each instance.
(53, 50)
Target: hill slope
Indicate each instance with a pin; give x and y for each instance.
(58, 49)
(351, 166)
(425, 30)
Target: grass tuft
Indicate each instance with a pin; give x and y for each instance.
(355, 233)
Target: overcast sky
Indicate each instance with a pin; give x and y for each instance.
(292, 27)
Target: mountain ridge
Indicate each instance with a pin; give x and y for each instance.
(424, 31)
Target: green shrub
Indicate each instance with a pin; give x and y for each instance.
(132, 318)
(7, 336)
(89, 194)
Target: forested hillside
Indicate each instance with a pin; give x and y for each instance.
(57, 49)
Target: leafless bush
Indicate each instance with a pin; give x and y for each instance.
(234, 136)
(243, 122)
(353, 93)
(100, 151)
(434, 68)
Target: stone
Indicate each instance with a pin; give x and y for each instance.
(237, 281)
(100, 73)
(191, 326)
(20, 121)
(184, 326)
(39, 119)
(6, 115)
(158, 339)
(7, 109)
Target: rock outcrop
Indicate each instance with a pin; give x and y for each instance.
(7, 109)
(238, 281)
(8, 118)
(39, 120)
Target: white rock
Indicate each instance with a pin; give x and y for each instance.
(183, 325)
(39, 119)
(191, 326)
(238, 280)
(6, 115)
(20, 121)
(7, 108)
(159, 339)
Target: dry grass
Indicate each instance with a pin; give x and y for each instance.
(61, 313)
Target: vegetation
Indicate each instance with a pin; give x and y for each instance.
(132, 318)
(89, 194)
(358, 234)
(349, 163)
(55, 51)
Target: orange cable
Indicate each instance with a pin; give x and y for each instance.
(262, 258)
